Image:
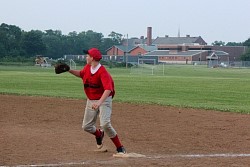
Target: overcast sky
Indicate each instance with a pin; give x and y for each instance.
(221, 20)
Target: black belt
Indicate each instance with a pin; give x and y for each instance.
(91, 86)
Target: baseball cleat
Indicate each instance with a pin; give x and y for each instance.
(121, 150)
(99, 140)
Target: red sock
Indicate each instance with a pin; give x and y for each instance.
(97, 133)
(116, 141)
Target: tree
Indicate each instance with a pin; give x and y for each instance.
(94, 39)
(10, 38)
(234, 44)
(107, 43)
(53, 32)
(247, 42)
(246, 56)
(53, 41)
(3, 51)
(18, 44)
(53, 46)
(116, 37)
(73, 43)
(33, 43)
(218, 43)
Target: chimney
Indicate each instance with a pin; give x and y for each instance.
(149, 36)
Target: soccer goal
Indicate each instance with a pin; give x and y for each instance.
(72, 64)
(148, 69)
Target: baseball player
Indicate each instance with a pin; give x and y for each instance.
(99, 89)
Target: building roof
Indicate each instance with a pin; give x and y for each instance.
(125, 48)
(212, 56)
(175, 40)
(148, 48)
(130, 48)
(169, 53)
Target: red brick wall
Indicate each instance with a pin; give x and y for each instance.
(137, 51)
(115, 51)
(134, 52)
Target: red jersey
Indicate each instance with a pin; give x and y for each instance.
(96, 84)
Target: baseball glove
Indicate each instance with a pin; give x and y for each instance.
(61, 68)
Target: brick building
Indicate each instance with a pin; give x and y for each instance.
(176, 49)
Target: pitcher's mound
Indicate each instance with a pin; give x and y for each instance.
(128, 155)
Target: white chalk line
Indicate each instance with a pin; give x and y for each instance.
(228, 155)
(49, 165)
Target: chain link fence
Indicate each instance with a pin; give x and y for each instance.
(234, 64)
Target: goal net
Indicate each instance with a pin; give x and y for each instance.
(72, 64)
(148, 67)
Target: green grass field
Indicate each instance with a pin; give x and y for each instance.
(184, 86)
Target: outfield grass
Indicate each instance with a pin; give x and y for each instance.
(184, 86)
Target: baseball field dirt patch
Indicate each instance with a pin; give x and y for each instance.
(45, 131)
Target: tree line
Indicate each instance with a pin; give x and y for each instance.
(17, 44)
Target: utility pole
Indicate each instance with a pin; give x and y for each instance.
(126, 53)
(200, 54)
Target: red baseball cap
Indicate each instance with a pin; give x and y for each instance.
(95, 53)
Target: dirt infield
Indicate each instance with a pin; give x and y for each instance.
(43, 131)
